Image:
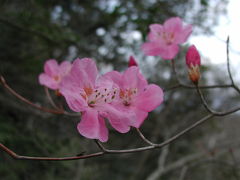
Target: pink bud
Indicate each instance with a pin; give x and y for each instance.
(193, 57)
(132, 62)
(193, 62)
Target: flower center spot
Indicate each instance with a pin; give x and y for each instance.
(168, 37)
(127, 95)
(56, 78)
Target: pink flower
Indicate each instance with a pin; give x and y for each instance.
(193, 57)
(164, 39)
(193, 62)
(85, 92)
(132, 62)
(53, 73)
(136, 96)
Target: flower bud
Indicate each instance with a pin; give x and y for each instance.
(132, 62)
(193, 62)
(193, 57)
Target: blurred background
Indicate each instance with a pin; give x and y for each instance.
(109, 31)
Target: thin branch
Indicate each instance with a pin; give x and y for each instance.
(109, 151)
(199, 122)
(72, 114)
(168, 141)
(100, 145)
(216, 113)
(229, 70)
(144, 138)
(204, 102)
(186, 86)
(50, 98)
(6, 86)
(16, 156)
(228, 62)
(23, 99)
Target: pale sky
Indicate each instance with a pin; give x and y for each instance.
(213, 47)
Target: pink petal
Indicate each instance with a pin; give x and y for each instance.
(48, 81)
(103, 131)
(182, 36)
(155, 31)
(115, 76)
(152, 37)
(72, 91)
(86, 71)
(169, 52)
(104, 82)
(71, 83)
(118, 119)
(92, 126)
(51, 67)
(83, 74)
(131, 115)
(75, 101)
(151, 48)
(132, 78)
(140, 117)
(149, 99)
(65, 68)
(156, 28)
(173, 25)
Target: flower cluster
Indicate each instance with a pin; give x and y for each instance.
(122, 98)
